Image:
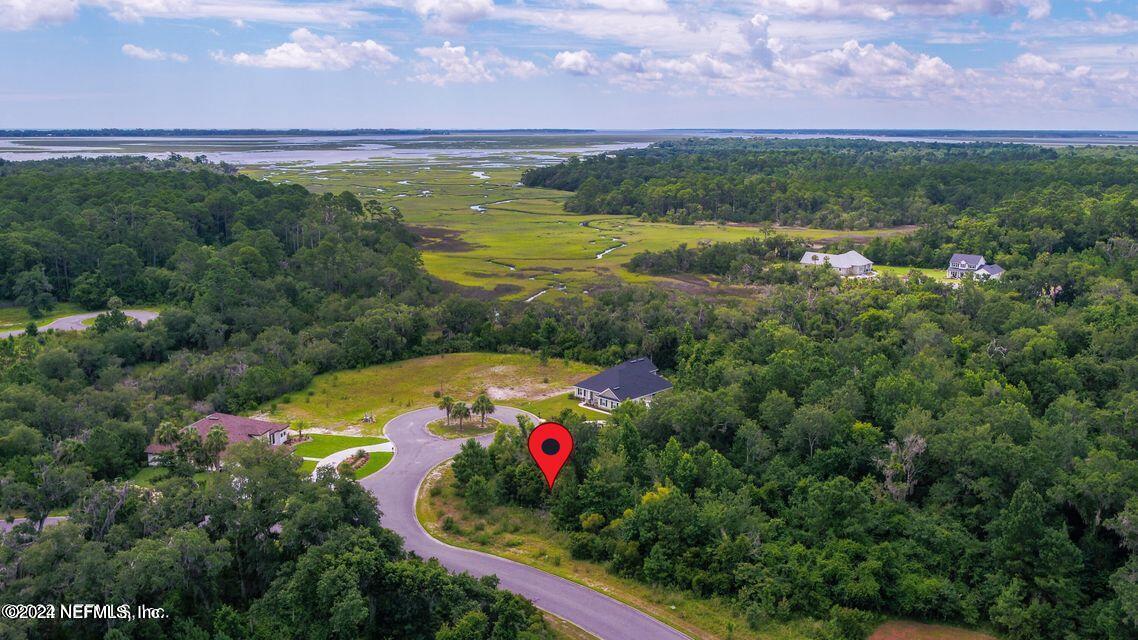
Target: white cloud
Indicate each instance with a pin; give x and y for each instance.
(871, 71)
(237, 11)
(25, 14)
(628, 63)
(451, 16)
(510, 66)
(452, 64)
(578, 63)
(17, 15)
(1032, 64)
(854, 70)
(829, 8)
(698, 66)
(886, 9)
(136, 51)
(756, 35)
(631, 6)
(1111, 24)
(306, 50)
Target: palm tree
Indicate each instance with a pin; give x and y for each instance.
(460, 411)
(170, 435)
(447, 404)
(299, 426)
(167, 433)
(215, 442)
(483, 405)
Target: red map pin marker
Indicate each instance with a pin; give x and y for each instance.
(550, 445)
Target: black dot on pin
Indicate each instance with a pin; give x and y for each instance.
(550, 447)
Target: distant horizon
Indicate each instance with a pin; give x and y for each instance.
(972, 65)
(329, 131)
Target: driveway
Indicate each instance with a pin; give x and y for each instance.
(397, 485)
(335, 459)
(75, 322)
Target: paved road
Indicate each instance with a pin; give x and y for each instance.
(6, 526)
(335, 459)
(397, 485)
(75, 322)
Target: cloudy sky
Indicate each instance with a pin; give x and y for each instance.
(569, 63)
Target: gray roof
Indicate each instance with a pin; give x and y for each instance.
(992, 269)
(628, 380)
(972, 259)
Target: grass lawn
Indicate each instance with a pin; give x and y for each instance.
(340, 399)
(901, 272)
(307, 467)
(509, 240)
(322, 445)
(526, 536)
(471, 428)
(18, 318)
(376, 461)
(551, 407)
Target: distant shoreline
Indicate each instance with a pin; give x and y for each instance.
(170, 133)
(915, 133)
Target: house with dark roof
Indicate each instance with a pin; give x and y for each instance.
(637, 380)
(990, 272)
(237, 429)
(969, 265)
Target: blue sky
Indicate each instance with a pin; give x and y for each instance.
(1069, 64)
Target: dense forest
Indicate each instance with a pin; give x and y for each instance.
(837, 450)
(889, 448)
(256, 551)
(261, 286)
(991, 199)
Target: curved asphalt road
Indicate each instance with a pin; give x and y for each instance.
(397, 485)
(75, 322)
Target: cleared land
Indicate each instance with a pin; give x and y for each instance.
(908, 630)
(340, 400)
(494, 237)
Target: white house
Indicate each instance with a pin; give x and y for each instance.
(635, 380)
(850, 263)
(965, 265)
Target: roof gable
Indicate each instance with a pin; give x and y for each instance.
(627, 381)
(972, 260)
